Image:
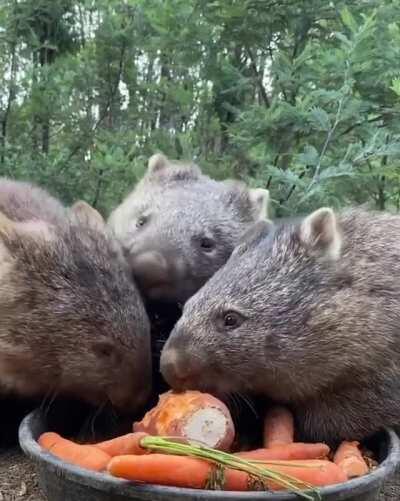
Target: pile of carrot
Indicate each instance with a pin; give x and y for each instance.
(156, 460)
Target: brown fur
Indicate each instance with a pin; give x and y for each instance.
(71, 321)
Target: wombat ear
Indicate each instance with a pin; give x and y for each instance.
(257, 232)
(83, 213)
(30, 229)
(319, 232)
(259, 198)
(252, 203)
(175, 170)
(157, 163)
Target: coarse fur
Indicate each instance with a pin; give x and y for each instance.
(71, 321)
(306, 314)
(179, 226)
(25, 201)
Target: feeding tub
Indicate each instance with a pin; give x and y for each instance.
(65, 482)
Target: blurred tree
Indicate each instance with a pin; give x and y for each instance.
(300, 96)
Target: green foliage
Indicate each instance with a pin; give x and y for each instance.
(302, 97)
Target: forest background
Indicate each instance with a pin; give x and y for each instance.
(301, 97)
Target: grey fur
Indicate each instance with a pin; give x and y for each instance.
(319, 324)
(24, 201)
(178, 208)
(71, 321)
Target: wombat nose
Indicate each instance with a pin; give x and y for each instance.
(150, 268)
(131, 401)
(176, 371)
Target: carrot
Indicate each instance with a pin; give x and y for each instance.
(296, 450)
(47, 440)
(316, 472)
(86, 456)
(162, 469)
(278, 427)
(126, 444)
(349, 458)
(180, 471)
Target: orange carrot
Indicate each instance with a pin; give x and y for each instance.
(349, 458)
(278, 427)
(180, 471)
(162, 469)
(86, 456)
(296, 450)
(125, 444)
(47, 440)
(315, 472)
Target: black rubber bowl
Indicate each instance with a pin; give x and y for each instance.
(64, 482)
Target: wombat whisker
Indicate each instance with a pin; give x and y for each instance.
(88, 427)
(233, 403)
(44, 400)
(248, 402)
(112, 415)
(95, 416)
(51, 397)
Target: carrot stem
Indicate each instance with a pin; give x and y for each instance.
(262, 473)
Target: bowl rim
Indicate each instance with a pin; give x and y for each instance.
(106, 483)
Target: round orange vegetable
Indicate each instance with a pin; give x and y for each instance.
(192, 415)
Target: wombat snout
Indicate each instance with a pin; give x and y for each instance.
(131, 401)
(150, 269)
(178, 370)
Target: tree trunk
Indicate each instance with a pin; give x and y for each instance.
(10, 99)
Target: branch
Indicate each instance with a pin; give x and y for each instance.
(98, 188)
(261, 87)
(293, 187)
(11, 96)
(327, 142)
(358, 124)
(280, 84)
(105, 111)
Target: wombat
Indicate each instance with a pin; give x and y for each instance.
(306, 314)
(179, 226)
(71, 320)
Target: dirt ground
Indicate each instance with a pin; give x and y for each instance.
(18, 481)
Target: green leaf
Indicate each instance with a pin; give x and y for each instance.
(320, 119)
(348, 20)
(343, 39)
(396, 86)
(309, 156)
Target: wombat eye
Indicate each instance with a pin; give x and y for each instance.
(232, 320)
(207, 244)
(141, 221)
